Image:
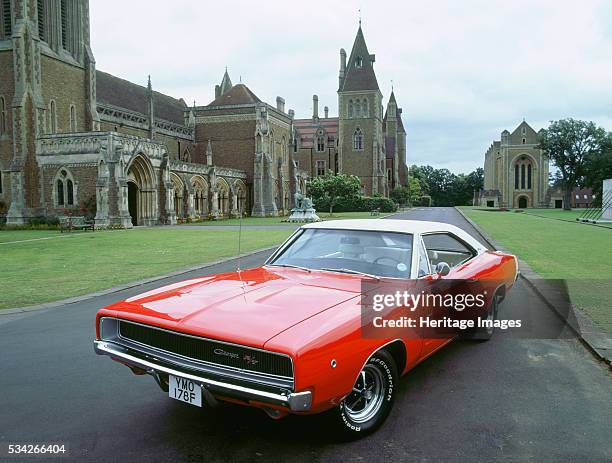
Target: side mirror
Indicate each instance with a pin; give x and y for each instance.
(442, 269)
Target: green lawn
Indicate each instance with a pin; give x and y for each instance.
(558, 249)
(78, 263)
(281, 220)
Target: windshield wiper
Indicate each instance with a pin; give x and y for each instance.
(352, 272)
(291, 266)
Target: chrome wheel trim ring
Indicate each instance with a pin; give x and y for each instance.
(368, 395)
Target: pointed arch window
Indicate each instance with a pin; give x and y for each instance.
(320, 141)
(364, 108)
(52, 117)
(523, 174)
(65, 191)
(73, 120)
(3, 117)
(295, 144)
(357, 108)
(350, 109)
(358, 140)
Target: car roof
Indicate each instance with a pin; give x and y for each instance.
(399, 226)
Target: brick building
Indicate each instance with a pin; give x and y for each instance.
(70, 134)
(360, 140)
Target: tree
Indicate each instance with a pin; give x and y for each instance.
(414, 190)
(599, 167)
(401, 195)
(569, 143)
(333, 187)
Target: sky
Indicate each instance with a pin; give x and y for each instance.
(462, 71)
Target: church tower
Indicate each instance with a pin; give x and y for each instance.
(360, 132)
(46, 55)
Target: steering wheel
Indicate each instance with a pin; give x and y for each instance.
(394, 260)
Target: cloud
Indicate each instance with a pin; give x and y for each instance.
(462, 71)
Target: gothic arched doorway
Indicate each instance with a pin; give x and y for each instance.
(142, 195)
(133, 202)
(522, 202)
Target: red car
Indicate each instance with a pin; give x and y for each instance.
(288, 337)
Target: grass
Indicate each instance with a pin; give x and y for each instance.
(66, 265)
(280, 220)
(559, 249)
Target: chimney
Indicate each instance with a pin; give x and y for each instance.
(291, 113)
(280, 104)
(217, 91)
(315, 107)
(326, 109)
(342, 67)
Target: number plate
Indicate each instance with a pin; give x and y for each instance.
(185, 390)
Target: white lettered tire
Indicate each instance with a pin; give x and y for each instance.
(366, 408)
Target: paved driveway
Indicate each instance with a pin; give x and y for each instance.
(506, 400)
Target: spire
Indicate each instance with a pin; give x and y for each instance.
(150, 108)
(226, 82)
(360, 67)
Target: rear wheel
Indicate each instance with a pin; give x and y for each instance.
(485, 332)
(372, 397)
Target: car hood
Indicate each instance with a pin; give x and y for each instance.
(247, 307)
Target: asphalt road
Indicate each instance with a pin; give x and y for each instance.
(511, 399)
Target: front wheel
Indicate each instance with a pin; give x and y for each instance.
(484, 333)
(371, 400)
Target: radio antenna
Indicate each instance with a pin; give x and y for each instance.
(239, 235)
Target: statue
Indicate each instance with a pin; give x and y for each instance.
(303, 210)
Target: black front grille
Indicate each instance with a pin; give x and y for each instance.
(208, 350)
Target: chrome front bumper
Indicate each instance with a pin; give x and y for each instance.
(294, 401)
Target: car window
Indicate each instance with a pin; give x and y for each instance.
(424, 268)
(380, 253)
(445, 247)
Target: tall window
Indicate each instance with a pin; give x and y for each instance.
(6, 28)
(350, 109)
(73, 121)
(295, 145)
(358, 62)
(320, 141)
(41, 19)
(64, 17)
(357, 109)
(523, 174)
(64, 189)
(0, 182)
(52, 117)
(320, 168)
(60, 192)
(3, 116)
(364, 108)
(357, 140)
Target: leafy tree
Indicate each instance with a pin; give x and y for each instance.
(569, 143)
(332, 187)
(415, 190)
(401, 195)
(599, 167)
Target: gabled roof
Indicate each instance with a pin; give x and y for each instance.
(238, 94)
(124, 94)
(359, 78)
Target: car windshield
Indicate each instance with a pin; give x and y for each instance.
(377, 253)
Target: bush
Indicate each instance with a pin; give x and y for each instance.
(425, 200)
(358, 204)
(41, 220)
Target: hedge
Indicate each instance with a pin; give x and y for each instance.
(359, 204)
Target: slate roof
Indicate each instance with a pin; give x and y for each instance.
(133, 97)
(360, 78)
(238, 94)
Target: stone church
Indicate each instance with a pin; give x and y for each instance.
(515, 171)
(70, 134)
